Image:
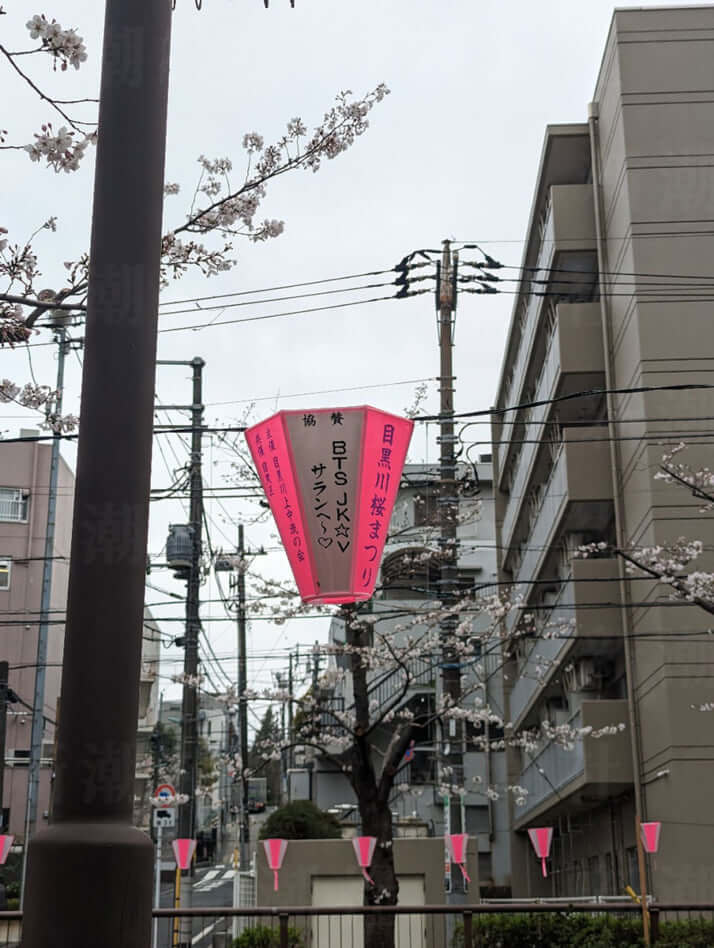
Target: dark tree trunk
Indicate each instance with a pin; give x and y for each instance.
(377, 821)
(373, 801)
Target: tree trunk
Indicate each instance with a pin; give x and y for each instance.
(377, 821)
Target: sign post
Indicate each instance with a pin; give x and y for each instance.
(157, 880)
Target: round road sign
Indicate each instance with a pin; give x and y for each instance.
(165, 795)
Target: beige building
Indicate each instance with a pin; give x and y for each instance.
(24, 483)
(622, 224)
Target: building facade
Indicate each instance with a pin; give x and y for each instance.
(24, 490)
(621, 224)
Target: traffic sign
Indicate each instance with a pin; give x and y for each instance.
(165, 795)
(165, 816)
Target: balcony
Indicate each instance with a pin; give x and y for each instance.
(595, 768)
(575, 348)
(591, 624)
(569, 226)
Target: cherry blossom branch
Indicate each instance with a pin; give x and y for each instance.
(45, 98)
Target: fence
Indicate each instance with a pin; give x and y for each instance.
(483, 925)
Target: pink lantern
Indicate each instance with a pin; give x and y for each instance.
(5, 846)
(541, 839)
(650, 836)
(364, 850)
(183, 852)
(275, 853)
(331, 477)
(456, 848)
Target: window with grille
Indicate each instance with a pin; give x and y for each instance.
(5, 567)
(13, 504)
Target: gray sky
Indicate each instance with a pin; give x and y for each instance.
(452, 152)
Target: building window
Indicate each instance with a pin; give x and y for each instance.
(13, 504)
(594, 873)
(5, 567)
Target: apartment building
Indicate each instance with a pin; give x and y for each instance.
(409, 582)
(620, 226)
(24, 492)
(24, 487)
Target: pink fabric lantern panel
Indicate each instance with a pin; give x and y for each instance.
(275, 853)
(456, 844)
(5, 846)
(541, 839)
(183, 852)
(364, 850)
(650, 836)
(331, 477)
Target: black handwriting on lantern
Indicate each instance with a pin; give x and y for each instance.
(388, 434)
(337, 417)
(342, 529)
(319, 486)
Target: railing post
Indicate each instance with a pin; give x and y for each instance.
(283, 930)
(468, 930)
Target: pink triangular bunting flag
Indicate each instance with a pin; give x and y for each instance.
(364, 850)
(650, 836)
(541, 839)
(5, 845)
(275, 853)
(183, 852)
(456, 844)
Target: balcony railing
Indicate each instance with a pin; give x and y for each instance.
(551, 769)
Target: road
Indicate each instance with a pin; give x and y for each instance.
(212, 887)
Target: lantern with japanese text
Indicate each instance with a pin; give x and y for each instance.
(456, 844)
(331, 478)
(364, 850)
(541, 839)
(275, 853)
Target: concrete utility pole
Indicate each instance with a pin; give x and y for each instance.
(242, 704)
(38, 701)
(448, 542)
(188, 782)
(89, 874)
(189, 704)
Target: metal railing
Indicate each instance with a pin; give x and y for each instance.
(481, 925)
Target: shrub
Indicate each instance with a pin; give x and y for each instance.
(578, 930)
(553, 930)
(300, 820)
(264, 937)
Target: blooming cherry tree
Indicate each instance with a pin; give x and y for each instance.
(224, 206)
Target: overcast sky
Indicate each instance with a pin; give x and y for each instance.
(452, 152)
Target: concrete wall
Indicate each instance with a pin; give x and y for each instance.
(419, 861)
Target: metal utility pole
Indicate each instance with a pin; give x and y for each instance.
(242, 703)
(189, 704)
(452, 739)
(89, 874)
(38, 701)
